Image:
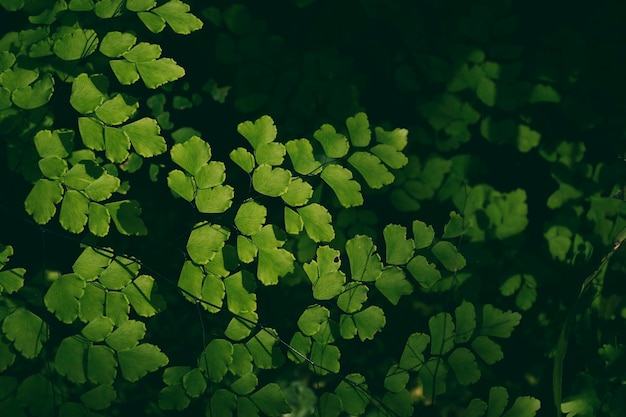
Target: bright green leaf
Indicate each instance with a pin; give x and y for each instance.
(271, 400)
(88, 92)
(205, 241)
(250, 217)
(423, 234)
(465, 316)
(70, 357)
(158, 72)
(74, 209)
(176, 14)
(335, 144)
(127, 335)
(26, 330)
(265, 350)
(393, 284)
(359, 130)
(75, 44)
(261, 131)
(317, 222)
(347, 190)
(270, 181)
(399, 249)
(365, 264)
(449, 256)
(352, 298)
(240, 293)
(243, 158)
(115, 44)
(63, 295)
(425, 273)
(353, 392)
(369, 322)
(311, 320)
(215, 358)
(215, 199)
(136, 362)
(301, 154)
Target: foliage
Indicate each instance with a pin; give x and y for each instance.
(216, 226)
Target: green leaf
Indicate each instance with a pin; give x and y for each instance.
(486, 91)
(465, 316)
(88, 92)
(326, 357)
(98, 329)
(329, 405)
(271, 400)
(476, 408)
(92, 303)
(262, 131)
(56, 143)
(425, 273)
(116, 144)
(35, 95)
(117, 109)
(142, 295)
(181, 184)
(160, 71)
(74, 209)
(69, 359)
(449, 256)
(347, 328)
(441, 333)
(390, 156)
(542, 93)
(245, 385)
(353, 393)
(365, 264)
(119, 273)
(523, 407)
(250, 217)
(270, 181)
(298, 193)
(352, 298)
(99, 398)
(347, 190)
(173, 398)
(397, 138)
(433, 375)
(311, 320)
(399, 249)
(369, 322)
(243, 158)
(265, 350)
(498, 398)
(38, 394)
(205, 241)
(101, 364)
(27, 332)
(488, 350)
(63, 295)
(359, 130)
(455, 227)
(115, 44)
(176, 14)
(222, 403)
(335, 144)
(399, 403)
(301, 154)
(464, 366)
(211, 175)
(242, 359)
(92, 133)
(392, 284)
(371, 168)
(412, 357)
(127, 335)
(273, 262)
(327, 280)
(272, 153)
(144, 135)
(396, 379)
(75, 44)
(117, 307)
(140, 5)
(153, 22)
(194, 383)
(125, 71)
(498, 323)
(317, 222)
(143, 52)
(136, 362)
(527, 138)
(215, 358)
(215, 199)
(240, 293)
(91, 262)
(423, 234)
(11, 280)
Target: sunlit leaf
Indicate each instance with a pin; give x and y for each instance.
(301, 154)
(365, 264)
(250, 217)
(240, 293)
(347, 190)
(261, 131)
(75, 44)
(359, 130)
(160, 71)
(335, 144)
(115, 44)
(352, 393)
(176, 14)
(399, 249)
(215, 358)
(42, 199)
(317, 222)
(270, 181)
(205, 241)
(312, 318)
(369, 322)
(265, 350)
(101, 364)
(63, 295)
(352, 297)
(271, 400)
(136, 362)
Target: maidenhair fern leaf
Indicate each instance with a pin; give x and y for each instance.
(116, 307)
(330, 405)
(449, 256)
(347, 190)
(270, 400)
(298, 193)
(115, 44)
(317, 222)
(393, 284)
(456, 226)
(488, 350)
(35, 95)
(74, 210)
(463, 364)
(11, 280)
(301, 154)
(191, 155)
(245, 385)
(359, 130)
(368, 322)
(145, 137)
(26, 331)
(311, 320)
(335, 144)
(352, 298)
(353, 393)
(442, 333)
(142, 295)
(261, 131)
(119, 273)
(300, 348)
(136, 362)
(399, 249)
(98, 329)
(465, 316)
(215, 199)
(243, 158)
(62, 298)
(240, 292)
(326, 357)
(242, 360)
(498, 323)
(176, 14)
(215, 358)
(99, 398)
(273, 261)
(397, 138)
(125, 215)
(265, 350)
(425, 273)
(250, 217)
(127, 335)
(433, 375)
(52, 167)
(272, 153)
(241, 326)
(92, 302)
(117, 110)
(101, 365)
(371, 168)
(396, 379)
(423, 234)
(173, 398)
(326, 278)
(42, 200)
(270, 181)
(222, 403)
(205, 241)
(210, 175)
(365, 263)
(69, 359)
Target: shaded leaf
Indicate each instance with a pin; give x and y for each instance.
(26, 330)
(136, 362)
(63, 295)
(393, 284)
